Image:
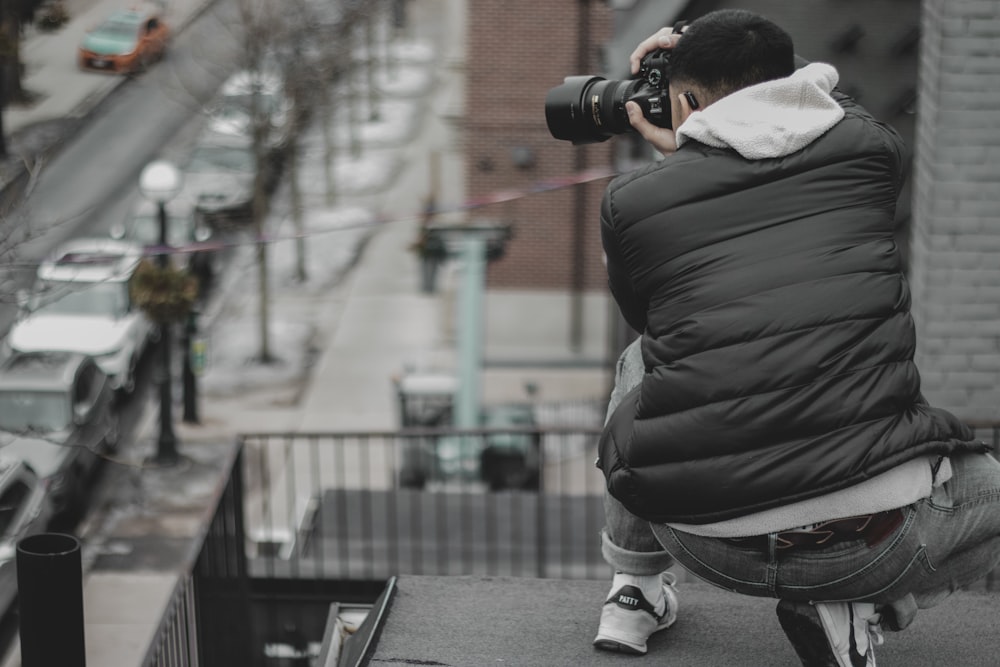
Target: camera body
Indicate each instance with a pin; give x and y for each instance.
(591, 109)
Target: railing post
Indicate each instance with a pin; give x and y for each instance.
(540, 536)
(991, 577)
(50, 601)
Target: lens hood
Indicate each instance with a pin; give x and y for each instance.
(566, 112)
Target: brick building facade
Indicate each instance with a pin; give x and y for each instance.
(516, 51)
(955, 266)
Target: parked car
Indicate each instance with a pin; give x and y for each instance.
(507, 455)
(511, 457)
(127, 41)
(186, 230)
(80, 303)
(219, 177)
(25, 509)
(249, 93)
(57, 414)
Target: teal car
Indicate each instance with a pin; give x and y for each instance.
(127, 41)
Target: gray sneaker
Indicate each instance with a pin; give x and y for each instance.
(832, 634)
(628, 619)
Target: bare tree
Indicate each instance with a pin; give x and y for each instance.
(309, 44)
(258, 19)
(14, 14)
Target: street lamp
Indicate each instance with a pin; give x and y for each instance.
(159, 182)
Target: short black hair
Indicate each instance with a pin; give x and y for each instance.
(729, 49)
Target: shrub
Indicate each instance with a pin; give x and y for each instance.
(165, 294)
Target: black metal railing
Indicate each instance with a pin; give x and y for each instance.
(211, 598)
(366, 506)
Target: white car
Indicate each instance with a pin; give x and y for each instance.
(219, 177)
(245, 94)
(26, 511)
(81, 303)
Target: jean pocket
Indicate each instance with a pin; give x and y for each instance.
(854, 571)
(722, 564)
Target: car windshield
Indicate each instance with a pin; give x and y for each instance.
(220, 158)
(118, 29)
(145, 229)
(231, 113)
(107, 299)
(267, 104)
(38, 411)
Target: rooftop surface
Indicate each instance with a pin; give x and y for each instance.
(550, 623)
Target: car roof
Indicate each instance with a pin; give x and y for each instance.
(423, 384)
(40, 371)
(134, 15)
(244, 81)
(91, 260)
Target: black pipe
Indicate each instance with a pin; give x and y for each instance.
(50, 601)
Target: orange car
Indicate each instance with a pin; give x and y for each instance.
(127, 41)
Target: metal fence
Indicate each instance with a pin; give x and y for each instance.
(368, 506)
(208, 617)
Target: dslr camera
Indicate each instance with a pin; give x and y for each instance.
(589, 109)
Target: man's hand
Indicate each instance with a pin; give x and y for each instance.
(663, 39)
(660, 138)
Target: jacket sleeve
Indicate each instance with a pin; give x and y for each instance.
(632, 306)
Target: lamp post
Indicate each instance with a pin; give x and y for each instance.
(159, 182)
(188, 377)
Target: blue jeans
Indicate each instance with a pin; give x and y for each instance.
(627, 542)
(946, 541)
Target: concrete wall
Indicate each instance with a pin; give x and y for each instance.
(955, 252)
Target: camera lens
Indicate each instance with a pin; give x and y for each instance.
(588, 109)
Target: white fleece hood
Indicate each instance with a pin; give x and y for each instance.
(771, 119)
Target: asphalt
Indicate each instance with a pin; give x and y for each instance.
(372, 324)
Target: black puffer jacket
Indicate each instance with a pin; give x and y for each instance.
(777, 336)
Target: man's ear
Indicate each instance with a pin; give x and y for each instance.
(686, 104)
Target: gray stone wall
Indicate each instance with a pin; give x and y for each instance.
(955, 251)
